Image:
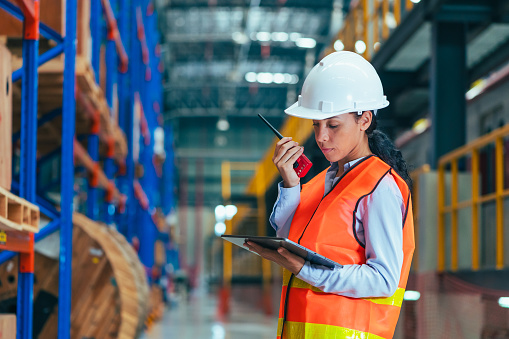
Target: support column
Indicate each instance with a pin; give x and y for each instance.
(134, 57)
(95, 32)
(111, 93)
(93, 151)
(67, 183)
(28, 163)
(124, 112)
(448, 86)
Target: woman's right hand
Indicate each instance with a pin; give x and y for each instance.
(285, 155)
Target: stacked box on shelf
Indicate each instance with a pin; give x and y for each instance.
(5, 118)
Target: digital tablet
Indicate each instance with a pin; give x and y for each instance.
(275, 242)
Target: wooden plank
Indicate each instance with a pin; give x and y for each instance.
(5, 118)
(7, 326)
(84, 47)
(3, 206)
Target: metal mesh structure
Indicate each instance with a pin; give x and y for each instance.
(450, 307)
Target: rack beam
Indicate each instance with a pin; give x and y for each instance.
(17, 13)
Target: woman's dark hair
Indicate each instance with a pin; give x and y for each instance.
(383, 147)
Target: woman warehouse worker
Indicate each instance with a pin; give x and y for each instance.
(357, 212)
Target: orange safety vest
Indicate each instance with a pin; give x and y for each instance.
(326, 225)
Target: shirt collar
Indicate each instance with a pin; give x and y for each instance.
(348, 165)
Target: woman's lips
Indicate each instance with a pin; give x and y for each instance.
(326, 150)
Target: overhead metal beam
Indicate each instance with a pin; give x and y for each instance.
(221, 84)
(216, 112)
(490, 63)
(227, 37)
(465, 13)
(215, 153)
(183, 4)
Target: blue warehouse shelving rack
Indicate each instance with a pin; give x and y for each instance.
(125, 191)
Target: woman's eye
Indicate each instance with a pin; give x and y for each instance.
(333, 126)
(315, 124)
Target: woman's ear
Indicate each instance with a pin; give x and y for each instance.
(365, 120)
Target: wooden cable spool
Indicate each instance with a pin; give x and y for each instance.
(109, 286)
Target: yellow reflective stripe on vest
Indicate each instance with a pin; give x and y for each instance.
(395, 300)
(296, 330)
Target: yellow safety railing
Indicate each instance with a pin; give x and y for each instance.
(370, 21)
(415, 174)
(451, 160)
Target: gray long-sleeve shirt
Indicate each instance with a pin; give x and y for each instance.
(379, 226)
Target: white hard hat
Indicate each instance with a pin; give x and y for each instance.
(342, 82)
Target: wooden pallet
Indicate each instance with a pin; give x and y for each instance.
(17, 214)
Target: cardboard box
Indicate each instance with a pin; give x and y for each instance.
(5, 118)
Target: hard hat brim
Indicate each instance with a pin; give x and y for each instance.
(306, 113)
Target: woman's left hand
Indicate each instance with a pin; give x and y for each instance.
(281, 256)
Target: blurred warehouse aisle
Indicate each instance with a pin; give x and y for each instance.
(197, 319)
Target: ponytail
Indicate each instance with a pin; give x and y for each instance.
(382, 146)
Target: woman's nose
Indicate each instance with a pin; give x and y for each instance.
(322, 134)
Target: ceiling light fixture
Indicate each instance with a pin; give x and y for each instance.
(411, 295)
(390, 20)
(263, 36)
(338, 45)
(279, 78)
(280, 36)
(295, 36)
(220, 212)
(220, 228)
(239, 38)
(504, 302)
(250, 77)
(230, 210)
(360, 46)
(306, 42)
(264, 78)
(223, 124)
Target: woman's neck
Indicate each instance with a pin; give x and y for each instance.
(343, 162)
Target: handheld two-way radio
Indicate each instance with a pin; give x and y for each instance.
(303, 164)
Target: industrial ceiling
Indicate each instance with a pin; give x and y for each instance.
(225, 62)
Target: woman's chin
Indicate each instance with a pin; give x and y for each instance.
(330, 157)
